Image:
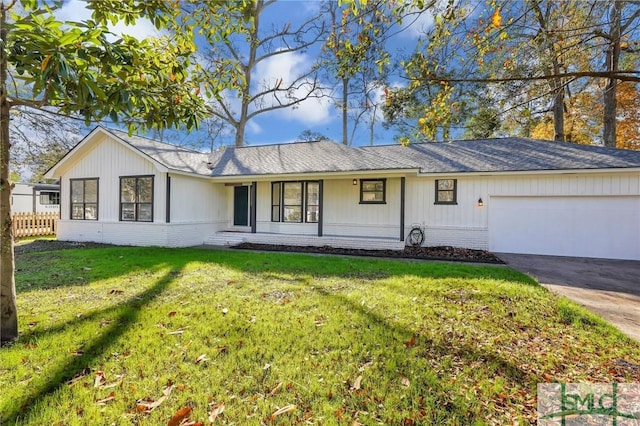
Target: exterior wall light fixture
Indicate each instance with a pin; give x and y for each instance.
(480, 202)
(355, 181)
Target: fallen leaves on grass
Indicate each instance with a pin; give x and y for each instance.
(99, 379)
(275, 389)
(201, 358)
(357, 383)
(116, 291)
(180, 416)
(284, 410)
(109, 398)
(411, 343)
(405, 381)
(216, 410)
(148, 405)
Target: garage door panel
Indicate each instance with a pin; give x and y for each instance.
(606, 227)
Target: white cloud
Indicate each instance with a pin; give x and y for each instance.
(254, 127)
(417, 24)
(76, 11)
(286, 68)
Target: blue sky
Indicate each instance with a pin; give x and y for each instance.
(285, 125)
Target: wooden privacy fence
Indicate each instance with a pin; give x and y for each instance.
(34, 224)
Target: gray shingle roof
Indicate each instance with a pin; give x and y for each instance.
(482, 155)
(172, 156)
(507, 154)
(294, 158)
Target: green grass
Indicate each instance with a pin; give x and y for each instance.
(340, 339)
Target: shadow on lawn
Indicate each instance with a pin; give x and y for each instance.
(77, 364)
(140, 259)
(435, 349)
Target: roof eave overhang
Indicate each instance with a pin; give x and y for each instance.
(533, 172)
(317, 175)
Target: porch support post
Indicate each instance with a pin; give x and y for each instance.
(61, 198)
(320, 204)
(168, 200)
(402, 193)
(252, 207)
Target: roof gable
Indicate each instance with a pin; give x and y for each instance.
(85, 145)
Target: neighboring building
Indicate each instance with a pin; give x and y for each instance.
(35, 198)
(505, 195)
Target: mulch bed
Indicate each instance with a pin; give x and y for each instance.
(28, 246)
(426, 253)
(446, 253)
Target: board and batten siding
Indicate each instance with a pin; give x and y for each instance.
(345, 216)
(108, 160)
(197, 200)
(197, 205)
(466, 224)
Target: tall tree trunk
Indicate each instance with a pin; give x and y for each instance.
(372, 124)
(8, 311)
(557, 85)
(558, 107)
(251, 62)
(613, 57)
(345, 110)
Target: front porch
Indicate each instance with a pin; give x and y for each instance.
(228, 239)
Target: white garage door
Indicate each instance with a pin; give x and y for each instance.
(605, 227)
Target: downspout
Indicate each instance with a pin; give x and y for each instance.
(320, 204)
(402, 193)
(252, 207)
(168, 200)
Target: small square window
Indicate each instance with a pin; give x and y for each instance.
(446, 191)
(373, 191)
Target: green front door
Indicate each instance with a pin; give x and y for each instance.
(241, 205)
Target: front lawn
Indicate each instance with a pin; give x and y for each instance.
(155, 336)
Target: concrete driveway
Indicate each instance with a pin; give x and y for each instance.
(610, 288)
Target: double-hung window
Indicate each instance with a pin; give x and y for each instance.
(292, 202)
(136, 198)
(84, 199)
(295, 202)
(446, 191)
(312, 202)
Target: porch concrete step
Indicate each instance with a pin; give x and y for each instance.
(228, 239)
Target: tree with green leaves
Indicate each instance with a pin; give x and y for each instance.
(81, 69)
(541, 57)
(355, 55)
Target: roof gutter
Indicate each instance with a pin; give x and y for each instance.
(318, 175)
(534, 172)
